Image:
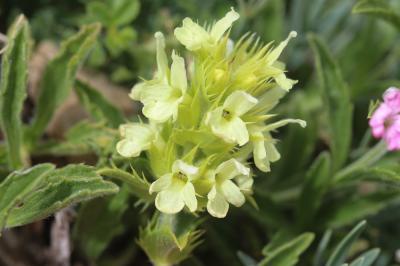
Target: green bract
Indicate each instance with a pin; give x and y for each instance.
(208, 118)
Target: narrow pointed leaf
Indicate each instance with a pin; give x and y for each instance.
(358, 208)
(97, 105)
(380, 9)
(367, 258)
(59, 76)
(339, 255)
(13, 89)
(375, 174)
(315, 185)
(288, 254)
(337, 100)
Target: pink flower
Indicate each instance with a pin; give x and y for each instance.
(392, 98)
(385, 121)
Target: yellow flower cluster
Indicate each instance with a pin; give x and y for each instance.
(208, 117)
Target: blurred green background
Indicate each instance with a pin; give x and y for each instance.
(367, 51)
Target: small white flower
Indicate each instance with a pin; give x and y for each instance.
(195, 37)
(162, 96)
(226, 122)
(224, 190)
(136, 138)
(175, 189)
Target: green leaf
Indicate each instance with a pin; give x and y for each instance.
(316, 183)
(62, 187)
(100, 12)
(356, 208)
(321, 249)
(288, 253)
(118, 40)
(124, 11)
(245, 259)
(99, 221)
(380, 9)
(83, 138)
(163, 245)
(369, 158)
(13, 89)
(59, 77)
(339, 255)
(367, 258)
(337, 101)
(138, 186)
(97, 105)
(15, 188)
(375, 174)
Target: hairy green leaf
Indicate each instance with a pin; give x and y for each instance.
(13, 89)
(17, 186)
(339, 255)
(59, 76)
(137, 185)
(380, 9)
(288, 253)
(62, 187)
(337, 100)
(97, 105)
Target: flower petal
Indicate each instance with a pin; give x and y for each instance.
(140, 133)
(189, 197)
(238, 130)
(187, 169)
(260, 156)
(284, 122)
(245, 183)
(275, 53)
(232, 193)
(137, 137)
(273, 154)
(178, 73)
(152, 92)
(231, 168)
(160, 111)
(170, 200)
(137, 90)
(217, 205)
(128, 148)
(284, 82)
(223, 24)
(239, 102)
(392, 98)
(162, 61)
(233, 130)
(161, 184)
(191, 35)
